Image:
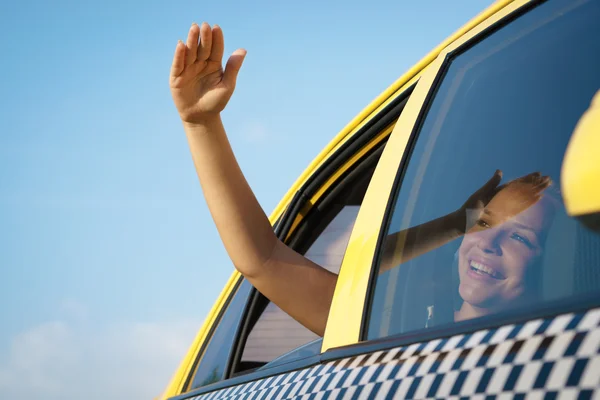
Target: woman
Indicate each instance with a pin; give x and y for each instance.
(201, 89)
(499, 258)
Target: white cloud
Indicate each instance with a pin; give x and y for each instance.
(69, 360)
(38, 360)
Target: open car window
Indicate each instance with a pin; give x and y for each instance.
(276, 333)
(321, 236)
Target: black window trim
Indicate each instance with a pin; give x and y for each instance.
(304, 236)
(464, 327)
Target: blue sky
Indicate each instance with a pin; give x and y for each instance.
(109, 257)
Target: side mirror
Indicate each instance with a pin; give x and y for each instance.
(580, 174)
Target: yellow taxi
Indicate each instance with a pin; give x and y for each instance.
(514, 90)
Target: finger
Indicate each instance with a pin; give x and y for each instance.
(233, 68)
(192, 44)
(530, 180)
(205, 42)
(178, 60)
(218, 45)
(498, 189)
(489, 189)
(543, 183)
(532, 200)
(492, 183)
(532, 177)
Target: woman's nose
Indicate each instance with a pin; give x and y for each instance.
(489, 241)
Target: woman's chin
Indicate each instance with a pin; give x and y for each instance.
(483, 302)
(476, 297)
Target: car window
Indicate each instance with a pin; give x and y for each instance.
(276, 333)
(216, 355)
(457, 249)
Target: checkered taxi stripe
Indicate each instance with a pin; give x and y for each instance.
(556, 358)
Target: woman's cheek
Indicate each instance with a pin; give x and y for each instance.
(516, 263)
(517, 258)
(463, 250)
(467, 243)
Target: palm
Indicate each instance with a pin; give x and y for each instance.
(524, 192)
(520, 194)
(199, 88)
(199, 85)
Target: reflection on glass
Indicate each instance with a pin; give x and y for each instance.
(498, 259)
(504, 228)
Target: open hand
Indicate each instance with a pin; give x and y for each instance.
(199, 85)
(521, 194)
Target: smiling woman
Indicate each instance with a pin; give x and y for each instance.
(504, 229)
(497, 257)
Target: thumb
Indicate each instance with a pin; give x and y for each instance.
(233, 67)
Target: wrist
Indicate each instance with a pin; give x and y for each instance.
(458, 221)
(203, 123)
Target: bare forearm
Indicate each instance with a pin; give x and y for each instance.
(405, 245)
(242, 224)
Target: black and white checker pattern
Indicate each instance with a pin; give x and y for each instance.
(551, 358)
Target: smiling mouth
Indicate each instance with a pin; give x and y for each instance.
(484, 270)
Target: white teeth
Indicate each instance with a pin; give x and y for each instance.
(482, 268)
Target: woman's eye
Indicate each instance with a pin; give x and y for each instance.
(523, 240)
(482, 223)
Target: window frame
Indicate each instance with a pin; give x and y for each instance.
(348, 319)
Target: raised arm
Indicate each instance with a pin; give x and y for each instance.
(201, 89)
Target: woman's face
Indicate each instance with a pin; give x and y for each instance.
(496, 252)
